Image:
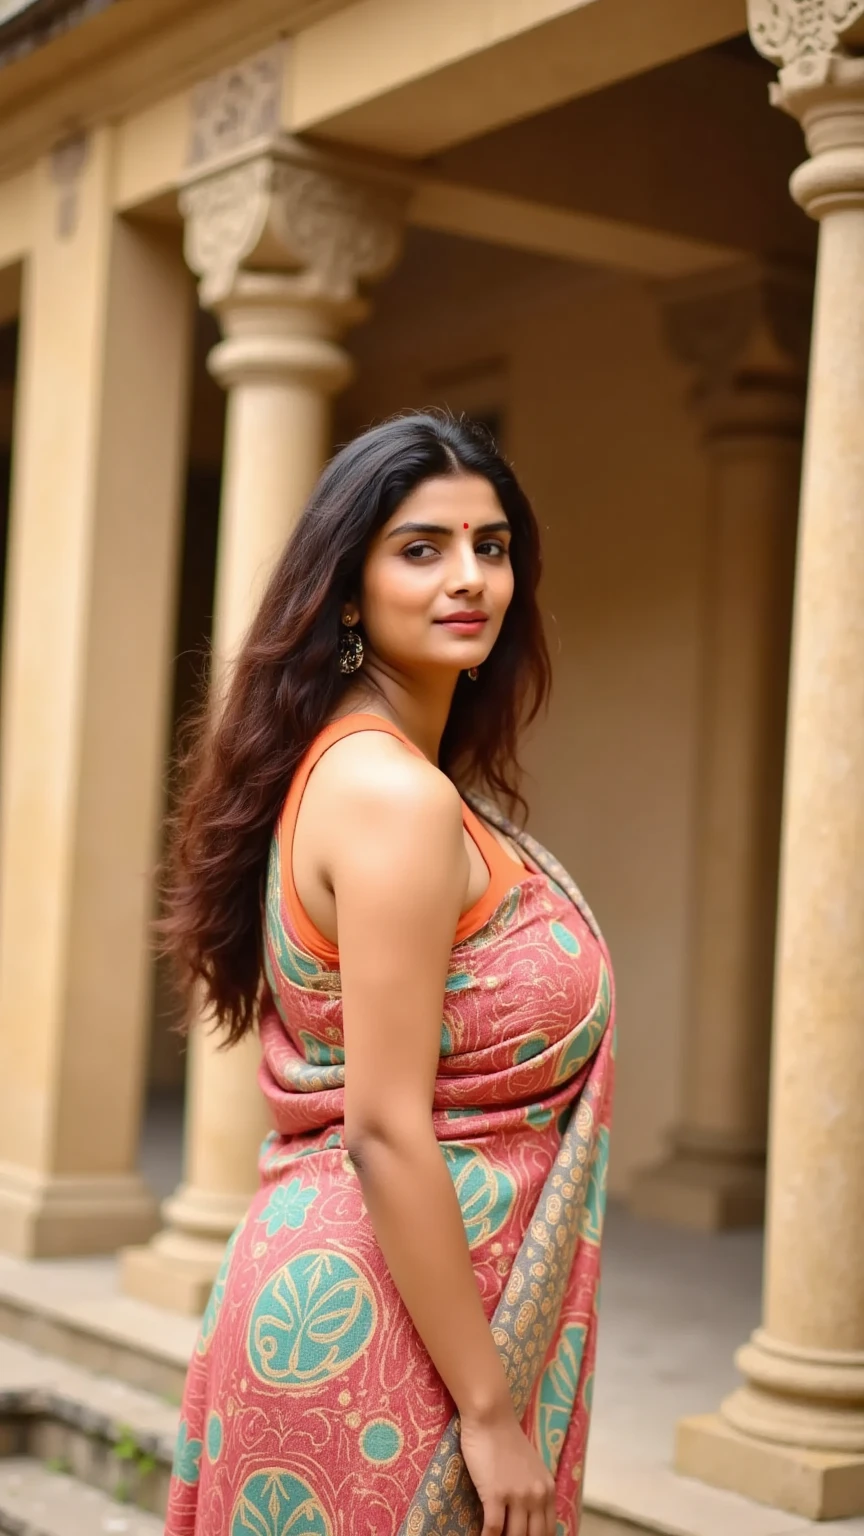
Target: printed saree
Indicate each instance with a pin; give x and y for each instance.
(311, 1406)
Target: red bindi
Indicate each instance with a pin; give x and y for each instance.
(464, 525)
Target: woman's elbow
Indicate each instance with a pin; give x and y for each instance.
(363, 1139)
(376, 1137)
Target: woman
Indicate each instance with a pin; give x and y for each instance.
(402, 1334)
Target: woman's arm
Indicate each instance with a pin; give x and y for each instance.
(397, 864)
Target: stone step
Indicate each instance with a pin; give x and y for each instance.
(37, 1502)
(72, 1309)
(107, 1435)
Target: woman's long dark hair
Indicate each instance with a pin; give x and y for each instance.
(286, 685)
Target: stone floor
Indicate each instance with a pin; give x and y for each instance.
(37, 1502)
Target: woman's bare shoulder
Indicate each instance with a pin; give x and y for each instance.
(371, 789)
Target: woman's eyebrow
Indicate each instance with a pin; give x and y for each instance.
(500, 527)
(419, 528)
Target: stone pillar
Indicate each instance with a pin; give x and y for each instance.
(745, 333)
(793, 1435)
(281, 362)
(99, 447)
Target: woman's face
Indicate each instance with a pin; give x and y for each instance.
(438, 580)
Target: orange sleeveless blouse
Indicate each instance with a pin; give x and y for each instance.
(504, 872)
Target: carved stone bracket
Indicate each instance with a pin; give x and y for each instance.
(281, 206)
(745, 334)
(68, 162)
(803, 37)
(236, 107)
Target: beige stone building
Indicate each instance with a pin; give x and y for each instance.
(232, 232)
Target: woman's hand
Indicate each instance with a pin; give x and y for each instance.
(514, 1485)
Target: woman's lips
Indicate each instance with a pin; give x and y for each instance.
(464, 626)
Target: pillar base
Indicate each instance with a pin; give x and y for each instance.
(700, 1193)
(818, 1485)
(57, 1217)
(177, 1269)
(173, 1284)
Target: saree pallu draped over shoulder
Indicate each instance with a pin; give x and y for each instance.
(311, 1406)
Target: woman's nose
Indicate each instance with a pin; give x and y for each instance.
(467, 575)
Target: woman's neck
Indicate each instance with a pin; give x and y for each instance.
(420, 711)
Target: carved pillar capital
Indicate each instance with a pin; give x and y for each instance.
(744, 334)
(804, 38)
(255, 198)
(817, 45)
(285, 208)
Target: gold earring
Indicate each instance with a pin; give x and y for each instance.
(473, 673)
(351, 651)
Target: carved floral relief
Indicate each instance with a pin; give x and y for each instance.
(801, 36)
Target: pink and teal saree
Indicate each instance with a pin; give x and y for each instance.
(311, 1407)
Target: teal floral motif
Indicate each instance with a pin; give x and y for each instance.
(187, 1456)
(462, 1114)
(311, 1321)
(558, 1388)
(318, 1053)
(588, 1393)
(278, 1504)
(459, 981)
(287, 1207)
(535, 1045)
(214, 1436)
(537, 1116)
(586, 1038)
(591, 1221)
(211, 1312)
(381, 1442)
(486, 1195)
(565, 939)
(446, 1040)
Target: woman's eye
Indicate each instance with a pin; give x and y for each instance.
(492, 547)
(419, 551)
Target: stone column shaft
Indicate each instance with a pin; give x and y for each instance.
(751, 558)
(745, 333)
(98, 452)
(819, 1062)
(793, 1435)
(281, 363)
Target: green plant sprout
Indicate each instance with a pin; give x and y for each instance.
(131, 1456)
